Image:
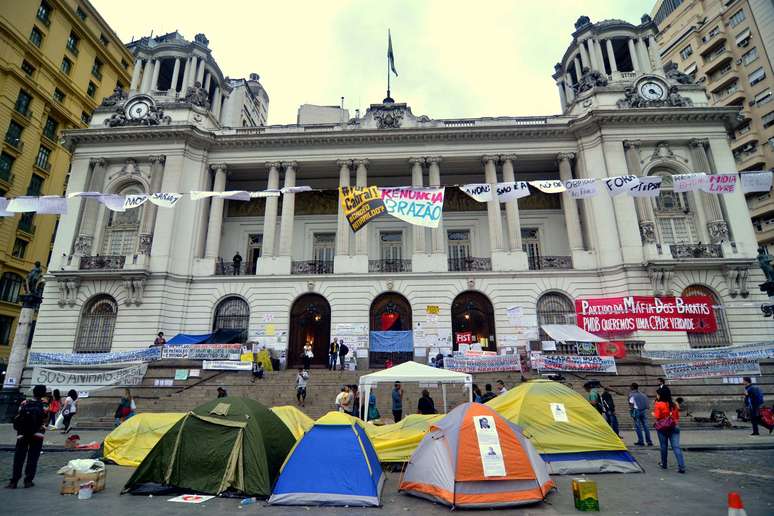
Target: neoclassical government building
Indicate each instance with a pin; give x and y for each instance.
(117, 278)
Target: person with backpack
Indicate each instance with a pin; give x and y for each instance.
(667, 414)
(753, 400)
(30, 426)
(343, 350)
(69, 409)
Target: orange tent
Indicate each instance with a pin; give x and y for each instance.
(473, 457)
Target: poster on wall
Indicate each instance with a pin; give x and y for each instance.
(611, 315)
(489, 446)
(418, 206)
(360, 204)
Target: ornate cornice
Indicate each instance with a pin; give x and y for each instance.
(359, 162)
(490, 157)
(509, 157)
(218, 166)
(433, 160)
(98, 162)
(632, 144)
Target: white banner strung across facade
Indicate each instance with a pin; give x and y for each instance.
(165, 199)
(756, 182)
(690, 182)
(721, 183)
(549, 185)
(582, 188)
(650, 186)
(507, 191)
(620, 184)
(232, 195)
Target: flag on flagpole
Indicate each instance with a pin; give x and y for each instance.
(390, 55)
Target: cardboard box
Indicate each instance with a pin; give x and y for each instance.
(584, 493)
(72, 483)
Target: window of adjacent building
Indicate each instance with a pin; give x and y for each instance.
(743, 38)
(42, 159)
(95, 329)
(323, 247)
(757, 76)
(13, 134)
(19, 248)
(722, 336)
(6, 164)
(96, 68)
(23, 101)
(737, 18)
(59, 96)
(10, 286)
(715, 53)
(35, 186)
(66, 66)
(762, 97)
(27, 68)
(122, 230)
(391, 245)
(44, 13)
(744, 129)
(750, 56)
(103, 39)
(80, 13)
(36, 37)
(49, 130)
(91, 89)
(768, 120)
(72, 43)
(674, 214)
(686, 52)
(85, 117)
(124, 64)
(26, 222)
(6, 323)
(714, 32)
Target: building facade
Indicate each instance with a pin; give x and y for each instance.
(728, 48)
(117, 278)
(59, 59)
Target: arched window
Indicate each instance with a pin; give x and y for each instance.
(95, 330)
(721, 337)
(233, 313)
(554, 308)
(10, 286)
(674, 213)
(473, 320)
(123, 227)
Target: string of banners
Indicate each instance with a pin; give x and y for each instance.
(420, 206)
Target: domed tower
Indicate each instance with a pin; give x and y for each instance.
(614, 57)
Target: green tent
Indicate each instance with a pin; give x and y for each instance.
(229, 443)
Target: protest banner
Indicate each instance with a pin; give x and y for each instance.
(611, 315)
(620, 184)
(481, 192)
(756, 181)
(650, 186)
(759, 351)
(512, 190)
(464, 337)
(360, 204)
(118, 357)
(165, 199)
(690, 182)
(589, 364)
(226, 365)
(351, 329)
(202, 352)
(134, 200)
(482, 363)
(581, 188)
(711, 368)
(616, 349)
(88, 380)
(586, 348)
(418, 206)
(721, 184)
(549, 185)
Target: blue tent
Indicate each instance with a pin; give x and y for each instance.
(219, 337)
(334, 464)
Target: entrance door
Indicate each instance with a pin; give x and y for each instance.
(310, 321)
(390, 312)
(473, 320)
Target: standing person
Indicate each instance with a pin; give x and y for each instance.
(663, 388)
(308, 355)
(343, 350)
(397, 402)
(126, 408)
(501, 388)
(302, 379)
(476, 393)
(222, 393)
(340, 398)
(69, 408)
(333, 352)
(488, 395)
(355, 401)
(159, 340)
(345, 404)
(237, 261)
(593, 396)
(639, 412)
(30, 426)
(608, 409)
(257, 368)
(425, 404)
(54, 406)
(753, 400)
(667, 414)
(373, 412)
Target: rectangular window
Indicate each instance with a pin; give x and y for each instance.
(44, 13)
(750, 56)
(13, 134)
(59, 96)
(124, 64)
(36, 37)
(72, 43)
(6, 323)
(27, 68)
(91, 89)
(743, 38)
(530, 244)
(41, 160)
(714, 31)
(391, 243)
(686, 52)
(458, 243)
(66, 66)
(762, 98)
(19, 248)
(80, 13)
(767, 120)
(737, 18)
(23, 103)
(757, 76)
(85, 117)
(324, 247)
(6, 164)
(35, 186)
(96, 68)
(49, 130)
(26, 222)
(103, 39)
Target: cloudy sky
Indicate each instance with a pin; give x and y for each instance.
(455, 58)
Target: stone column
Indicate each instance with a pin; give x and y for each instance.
(186, 76)
(361, 237)
(569, 205)
(611, 56)
(150, 209)
(643, 205)
(207, 79)
(175, 74)
(18, 356)
(633, 55)
(155, 79)
(569, 94)
(200, 73)
(147, 75)
(643, 56)
(562, 96)
(438, 234)
(215, 225)
(717, 228)
(191, 68)
(584, 56)
(496, 244)
(215, 107)
(511, 207)
(85, 244)
(270, 213)
(594, 65)
(136, 75)
(600, 57)
(288, 211)
(578, 70)
(343, 230)
(417, 180)
(655, 57)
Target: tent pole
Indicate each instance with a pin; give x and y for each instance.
(470, 391)
(443, 389)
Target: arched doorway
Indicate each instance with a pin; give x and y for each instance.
(473, 321)
(310, 321)
(391, 312)
(232, 313)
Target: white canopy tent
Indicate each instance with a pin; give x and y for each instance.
(414, 372)
(570, 332)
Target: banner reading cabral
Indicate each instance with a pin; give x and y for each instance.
(615, 315)
(360, 204)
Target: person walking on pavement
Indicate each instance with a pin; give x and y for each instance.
(753, 400)
(30, 426)
(237, 262)
(397, 402)
(343, 350)
(639, 412)
(488, 394)
(69, 408)
(333, 352)
(667, 414)
(302, 379)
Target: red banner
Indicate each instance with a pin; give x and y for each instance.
(464, 337)
(616, 349)
(616, 315)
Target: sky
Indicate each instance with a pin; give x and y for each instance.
(455, 59)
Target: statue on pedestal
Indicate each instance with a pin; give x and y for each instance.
(33, 279)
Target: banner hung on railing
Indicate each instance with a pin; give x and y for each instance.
(418, 206)
(360, 204)
(88, 380)
(118, 357)
(507, 191)
(615, 315)
(620, 184)
(756, 182)
(711, 368)
(483, 363)
(202, 351)
(758, 351)
(589, 364)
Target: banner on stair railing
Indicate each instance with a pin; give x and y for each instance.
(226, 365)
(118, 357)
(88, 380)
(202, 352)
(589, 364)
(482, 363)
(711, 368)
(759, 351)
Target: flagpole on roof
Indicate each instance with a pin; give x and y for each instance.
(389, 52)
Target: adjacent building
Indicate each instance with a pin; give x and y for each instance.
(59, 59)
(728, 46)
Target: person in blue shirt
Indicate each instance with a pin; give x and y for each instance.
(476, 393)
(753, 400)
(397, 402)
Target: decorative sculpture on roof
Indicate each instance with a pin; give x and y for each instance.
(33, 278)
(388, 117)
(582, 22)
(646, 19)
(589, 79)
(117, 96)
(671, 71)
(201, 38)
(197, 96)
(138, 110)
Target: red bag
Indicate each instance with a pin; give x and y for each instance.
(767, 417)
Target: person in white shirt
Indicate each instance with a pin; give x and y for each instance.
(501, 388)
(301, 381)
(344, 400)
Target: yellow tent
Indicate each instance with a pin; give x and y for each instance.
(567, 431)
(297, 422)
(128, 444)
(397, 442)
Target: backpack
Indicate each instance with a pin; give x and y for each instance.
(343, 349)
(29, 419)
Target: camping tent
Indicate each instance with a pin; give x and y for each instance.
(396, 442)
(227, 444)
(133, 439)
(297, 422)
(475, 458)
(569, 433)
(415, 372)
(334, 463)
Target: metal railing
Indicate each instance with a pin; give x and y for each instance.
(102, 262)
(223, 268)
(470, 264)
(683, 251)
(537, 263)
(312, 267)
(389, 265)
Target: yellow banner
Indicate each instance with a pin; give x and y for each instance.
(360, 204)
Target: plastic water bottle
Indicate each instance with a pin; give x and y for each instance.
(248, 501)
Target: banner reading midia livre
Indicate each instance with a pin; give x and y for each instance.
(360, 204)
